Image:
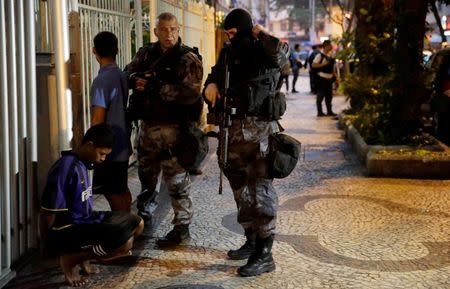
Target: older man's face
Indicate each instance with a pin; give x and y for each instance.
(167, 32)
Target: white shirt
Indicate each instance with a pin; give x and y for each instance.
(318, 59)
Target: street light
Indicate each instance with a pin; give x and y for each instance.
(312, 29)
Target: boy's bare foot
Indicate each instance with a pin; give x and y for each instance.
(68, 265)
(87, 268)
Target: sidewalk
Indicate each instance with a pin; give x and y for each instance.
(336, 228)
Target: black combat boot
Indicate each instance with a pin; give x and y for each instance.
(247, 249)
(261, 260)
(178, 234)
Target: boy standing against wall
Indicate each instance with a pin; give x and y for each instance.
(109, 101)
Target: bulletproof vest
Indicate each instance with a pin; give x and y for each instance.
(330, 66)
(166, 71)
(253, 85)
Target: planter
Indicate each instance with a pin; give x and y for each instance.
(428, 162)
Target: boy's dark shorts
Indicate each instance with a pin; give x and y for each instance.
(115, 230)
(110, 178)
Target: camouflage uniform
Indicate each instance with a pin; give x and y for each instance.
(254, 193)
(157, 139)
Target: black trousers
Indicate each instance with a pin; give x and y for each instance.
(285, 80)
(294, 80)
(313, 81)
(324, 91)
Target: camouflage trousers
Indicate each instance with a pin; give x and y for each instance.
(247, 172)
(155, 146)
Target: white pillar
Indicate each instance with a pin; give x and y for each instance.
(61, 48)
(312, 29)
(139, 37)
(30, 63)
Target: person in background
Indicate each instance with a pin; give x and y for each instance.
(296, 65)
(311, 70)
(324, 63)
(109, 92)
(284, 78)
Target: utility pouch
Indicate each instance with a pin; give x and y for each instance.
(138, 106)
(193, 147)
(256, 95)
(283, 155)
(274, 106)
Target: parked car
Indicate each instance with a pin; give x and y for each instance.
(436, 109)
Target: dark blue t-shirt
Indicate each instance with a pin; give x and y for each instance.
(68, 193)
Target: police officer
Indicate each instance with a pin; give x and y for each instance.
(169, 75)
(254, 59)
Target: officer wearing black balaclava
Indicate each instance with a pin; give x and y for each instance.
(254, 59)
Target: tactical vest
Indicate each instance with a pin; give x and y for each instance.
(330, 66)
(159, 111)
(254, 91)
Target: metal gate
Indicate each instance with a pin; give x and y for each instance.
(96, 16)
(18, 133)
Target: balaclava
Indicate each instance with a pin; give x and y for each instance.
(239, 19)
(242, 42)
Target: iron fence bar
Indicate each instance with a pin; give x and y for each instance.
(22, 128)
(13, 129)
(30, 71)
(5, 173)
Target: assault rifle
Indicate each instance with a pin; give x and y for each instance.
(222, 118)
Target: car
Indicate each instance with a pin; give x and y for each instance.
(437, 83)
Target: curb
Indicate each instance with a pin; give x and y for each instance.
(428, 162)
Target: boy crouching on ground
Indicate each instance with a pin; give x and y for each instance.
(70, 226)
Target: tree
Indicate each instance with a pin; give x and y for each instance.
(374, 35)
(410, 91)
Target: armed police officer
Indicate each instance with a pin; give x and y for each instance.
(167, 78)
(251, 66)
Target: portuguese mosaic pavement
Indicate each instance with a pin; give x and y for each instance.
(336, 227)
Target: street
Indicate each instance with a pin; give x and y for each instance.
(336, 227)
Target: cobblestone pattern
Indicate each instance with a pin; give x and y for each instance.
(336, 227)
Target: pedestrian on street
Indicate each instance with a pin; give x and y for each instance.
(109, 93)
(324, 63)
(313, 72)
(296, 64)
(254, 59)
(285, 72)
(69, 226)
(168, 76)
